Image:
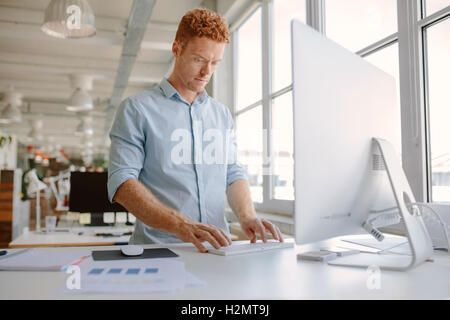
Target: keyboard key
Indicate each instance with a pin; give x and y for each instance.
(245, 248)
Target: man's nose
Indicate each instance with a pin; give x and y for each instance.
(206, 70)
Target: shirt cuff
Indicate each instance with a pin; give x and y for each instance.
(236, 176)
(116, 179)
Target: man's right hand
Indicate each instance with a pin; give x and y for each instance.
(196, 232)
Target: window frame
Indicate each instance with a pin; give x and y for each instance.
(414, 94)
(423, 24)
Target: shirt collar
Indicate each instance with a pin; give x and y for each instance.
(169, 91)
(167, 88)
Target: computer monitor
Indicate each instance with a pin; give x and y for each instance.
(89, 194)
(340, 103)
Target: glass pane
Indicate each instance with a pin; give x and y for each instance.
(356, 24)
(432, 6)
(249, 141)
(386, 59)
(249, 72)
(283, 147)
(283, 12)
(438, 51)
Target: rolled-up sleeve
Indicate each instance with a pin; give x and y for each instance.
(127, 154)
(235, 170)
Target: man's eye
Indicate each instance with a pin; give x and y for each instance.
(197, 59)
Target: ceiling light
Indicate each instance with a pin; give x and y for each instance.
(35, 136)
(84, 128)
(11, 113)
(80, 99)
(69, 19)
(86, 142)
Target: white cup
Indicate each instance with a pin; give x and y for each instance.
(50, 223)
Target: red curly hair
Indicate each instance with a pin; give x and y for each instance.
(202, 23)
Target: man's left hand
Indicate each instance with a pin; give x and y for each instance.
(254, 226)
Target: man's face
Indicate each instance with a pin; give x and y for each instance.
(197, 61)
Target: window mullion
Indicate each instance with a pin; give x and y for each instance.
(383, 43)
(234, 63)
(281, 92)
(435, 17)
(315, 14)
(267, 43)
(414, 155)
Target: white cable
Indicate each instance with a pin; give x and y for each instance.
(373, 231)
(367, 225)
(441, 222)
(383, 210)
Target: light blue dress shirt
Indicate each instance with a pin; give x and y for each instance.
(184, 154)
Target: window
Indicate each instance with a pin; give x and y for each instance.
(283, 146)
(282, 177)
(432, 6)
(249, 139)
(249, 91)
(356, 24)
(264, 102)
(249, 83)
(283, 12)
(373, 30)
(438, 96)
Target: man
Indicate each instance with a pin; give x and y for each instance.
(171, 188)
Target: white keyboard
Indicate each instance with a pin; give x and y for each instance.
(243, 248)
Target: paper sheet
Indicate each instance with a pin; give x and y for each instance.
(41, 259)
(133, 276)
(398, 245)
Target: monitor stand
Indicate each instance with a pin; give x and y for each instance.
(417, 234)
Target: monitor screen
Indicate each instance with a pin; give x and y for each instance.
(88, 193)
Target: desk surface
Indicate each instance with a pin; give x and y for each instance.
(265, 275)
(72, 237)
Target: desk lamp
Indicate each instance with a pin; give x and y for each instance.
(34, 187)
(62, 191)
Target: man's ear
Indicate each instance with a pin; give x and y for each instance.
(176, 49)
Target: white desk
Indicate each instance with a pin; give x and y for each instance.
(265, 275)
(72, 237)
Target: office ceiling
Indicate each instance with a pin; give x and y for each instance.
(38, 66)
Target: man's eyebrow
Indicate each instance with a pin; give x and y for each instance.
(200, 56)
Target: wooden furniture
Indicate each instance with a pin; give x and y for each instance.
(14, 213)
(6, 206)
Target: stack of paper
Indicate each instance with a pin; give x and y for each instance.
(132, 276)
